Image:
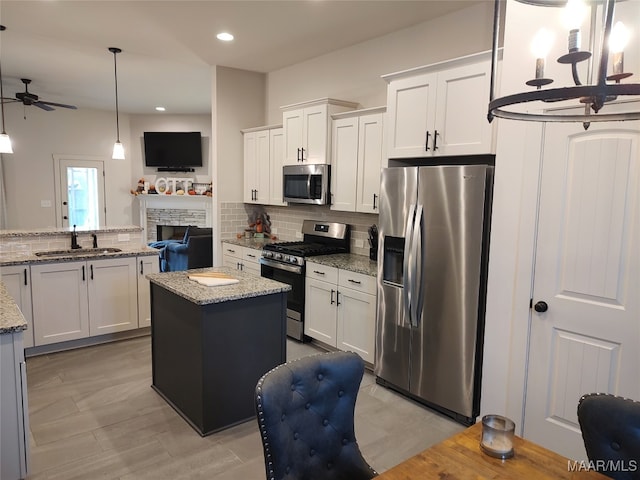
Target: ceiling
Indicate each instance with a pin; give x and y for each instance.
(169, 46)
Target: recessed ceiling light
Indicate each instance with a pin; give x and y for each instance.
(224, 36)
(160, 109)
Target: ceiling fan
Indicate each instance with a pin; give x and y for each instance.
(27, 98)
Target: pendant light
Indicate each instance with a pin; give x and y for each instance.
(118, 149)
(5, 141)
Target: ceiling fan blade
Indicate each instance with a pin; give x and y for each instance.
(9, 100)
(73, 107)
(43, 106)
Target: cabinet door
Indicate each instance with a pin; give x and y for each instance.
(113, 299)
(356, 323)
(17, 280)
(60, 303)
(315, 131)
(250, 166)
(344, 164)
(292, 121)
(251, 260)
(146, 265)
(370, 153)
(461, 126)
(276, 159)
(411, 116)
(262, 177)
(320, 311)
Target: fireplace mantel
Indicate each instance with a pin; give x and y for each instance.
(174, 202)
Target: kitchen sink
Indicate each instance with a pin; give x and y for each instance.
(78, 251)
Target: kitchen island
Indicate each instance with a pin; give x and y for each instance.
(210, 345)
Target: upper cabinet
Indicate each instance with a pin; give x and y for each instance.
(356, 160)
(440, 109)
(306, 130)
(263, 155)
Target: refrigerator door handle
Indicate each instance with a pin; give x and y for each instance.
(408, 263)
(416, 277)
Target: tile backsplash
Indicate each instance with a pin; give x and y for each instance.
(286, 222)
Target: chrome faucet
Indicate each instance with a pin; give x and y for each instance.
(74, 239)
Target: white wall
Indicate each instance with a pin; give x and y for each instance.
(353, 73)
(29, 170)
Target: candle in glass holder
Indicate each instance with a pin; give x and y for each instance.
(497, 436)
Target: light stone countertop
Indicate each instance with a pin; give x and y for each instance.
(255, 243)
(82, 254)
(348, 261)
(40, 232)
(248, 287)
(11, 319)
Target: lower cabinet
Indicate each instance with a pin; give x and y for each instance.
(14, 413)
(145, 266)
(17, 281)
(241, 258)
(73, 300)
(340, 309)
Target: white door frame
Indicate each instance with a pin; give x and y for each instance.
(81, 160)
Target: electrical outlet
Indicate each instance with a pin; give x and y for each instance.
(124, 237)
(274, 231)
(298, 234)
(45, 203)
(359, 243)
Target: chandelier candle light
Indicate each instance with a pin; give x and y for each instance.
(599, 89)
(118, 148)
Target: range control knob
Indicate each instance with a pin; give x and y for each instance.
(278, 256)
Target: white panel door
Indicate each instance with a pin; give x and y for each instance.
(369, 163)
(292, 121)
(315, 134)
(344, 164)
(113, 295)
(262, 177)
(587, 271)
(320, 311)
(276, 159)
(146, 265)
(461, 126)
(356, 323)
(411, 116)
(250, 166)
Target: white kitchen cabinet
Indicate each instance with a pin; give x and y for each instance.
(340, 309)
(73, 300)
(14, 413)
(240, 258)
(440, 109)
(146, 265)
(307, 128)
(17, 280)
(276, 159)
(256, 167)
(356, 160)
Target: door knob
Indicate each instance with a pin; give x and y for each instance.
(541, 307)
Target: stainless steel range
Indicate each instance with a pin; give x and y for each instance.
(286, 262)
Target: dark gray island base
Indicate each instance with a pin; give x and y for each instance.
(210, 345)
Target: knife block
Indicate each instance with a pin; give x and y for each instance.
(373, 253)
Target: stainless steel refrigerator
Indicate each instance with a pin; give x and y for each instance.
(432, 266)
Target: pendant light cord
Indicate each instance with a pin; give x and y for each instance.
(2, 28)
(115, 70)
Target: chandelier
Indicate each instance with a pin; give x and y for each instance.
(595, 72)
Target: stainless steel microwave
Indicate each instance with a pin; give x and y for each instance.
(306, 184)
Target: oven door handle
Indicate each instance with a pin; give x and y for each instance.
(281, 266)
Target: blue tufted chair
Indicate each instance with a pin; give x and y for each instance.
(611, 433)
(305, 413)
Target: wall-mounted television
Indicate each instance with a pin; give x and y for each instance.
(172, 150)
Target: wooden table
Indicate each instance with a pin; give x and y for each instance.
(459, 457)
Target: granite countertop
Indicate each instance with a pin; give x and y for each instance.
(248, 287)
(40, 232)
(255, 243)
(83, 254)
(11, 319)
(348, 261)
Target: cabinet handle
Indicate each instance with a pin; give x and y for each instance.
(337, 297)
(302, 154)
(83, 277)
(91, 270)
(355, 281)
(141, 268)
(250, 255)
(298, 156)
(375, 197)
(230, 251)
(426, 142)
(25, 277)
(435, 140)
(319, 273)
(332, 292)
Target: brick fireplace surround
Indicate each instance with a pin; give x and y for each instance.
(173, 210)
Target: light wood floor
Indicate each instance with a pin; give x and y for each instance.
(94, 415)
